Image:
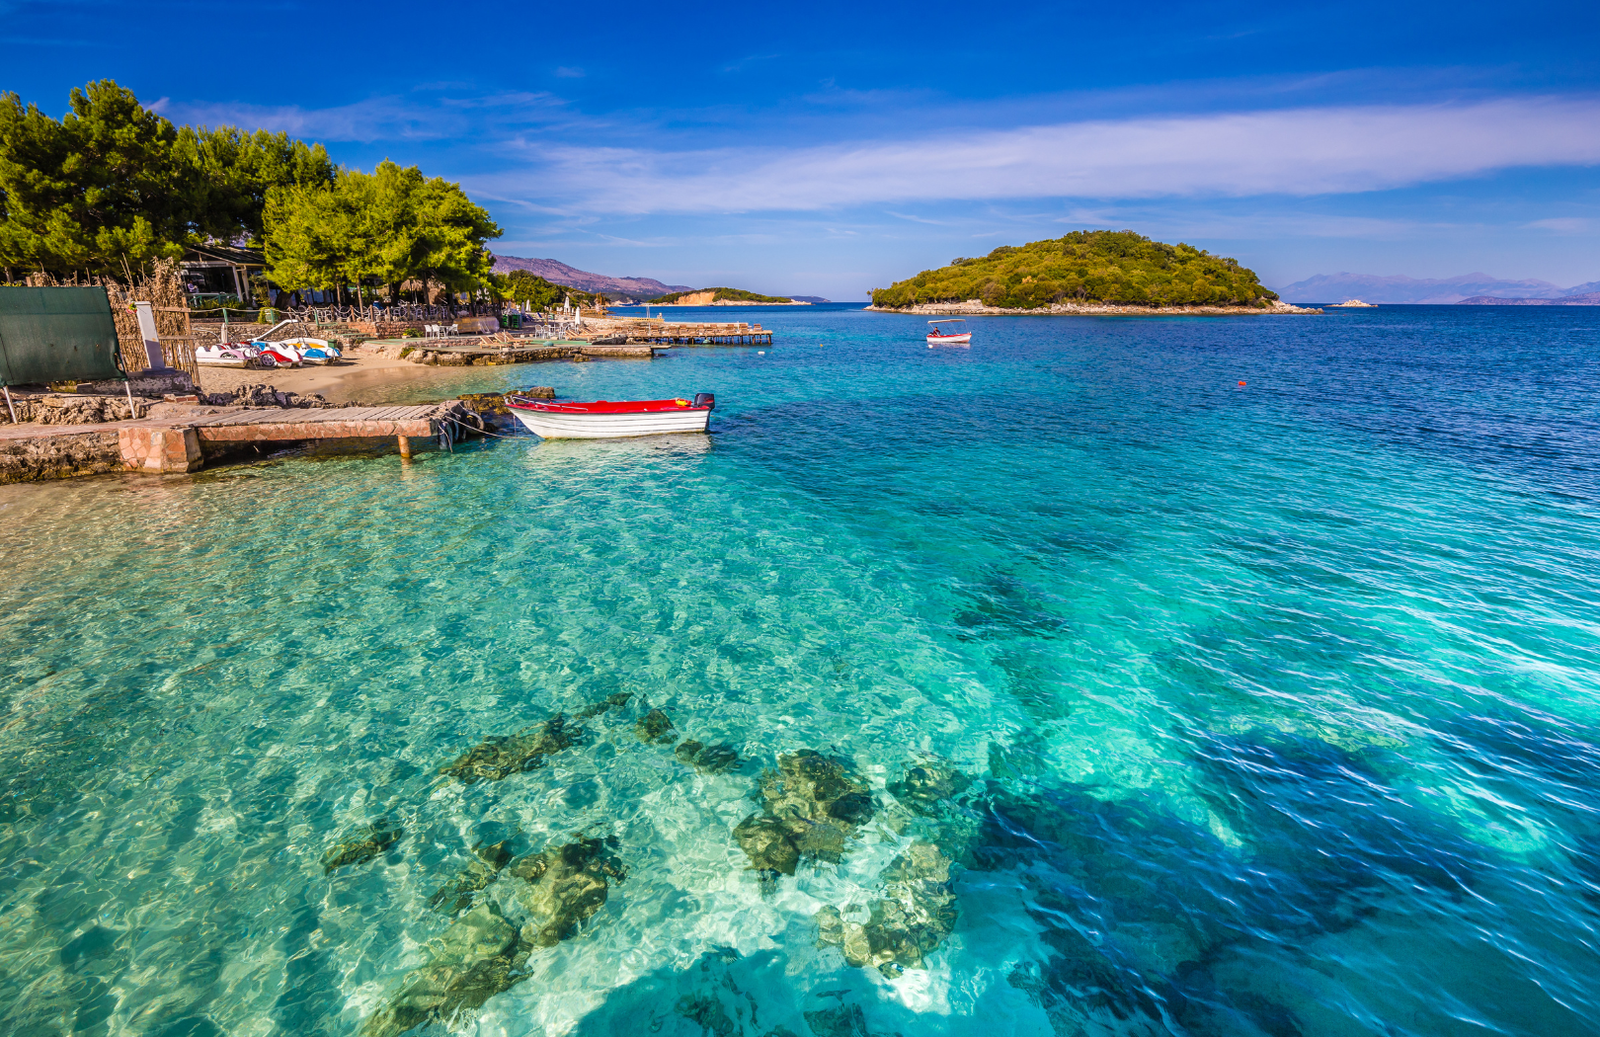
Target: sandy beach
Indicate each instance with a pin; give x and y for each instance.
(329, 379)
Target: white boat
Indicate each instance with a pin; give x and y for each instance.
(312, 350)
(605, 419)
(225, 355)
(937, 336)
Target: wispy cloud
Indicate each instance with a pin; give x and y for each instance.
(568, 72)
(378, 118)
(1565, 224)
(1298, 152)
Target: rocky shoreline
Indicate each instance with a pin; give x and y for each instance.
(1095, 309)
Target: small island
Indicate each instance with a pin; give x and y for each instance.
(1086, 272)
(1353, 304)
(723, 297)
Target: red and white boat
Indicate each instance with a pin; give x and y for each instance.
(607, 419)
(937, 336)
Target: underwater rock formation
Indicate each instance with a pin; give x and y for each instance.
(656, 726)
(480, 955)
(914, 917)
(498, 756)
(927, 787)
(810, 805)
(457, 896)
(708, 759)
(484, 952)
(564, 886)
(368, 843)
(609, 702)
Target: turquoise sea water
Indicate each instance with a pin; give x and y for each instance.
(1266, 709)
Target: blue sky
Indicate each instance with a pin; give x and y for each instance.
(831, 148)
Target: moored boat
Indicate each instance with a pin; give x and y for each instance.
(609, 419)
(281, 355)
(222, 355)
(313, 350)
(937, 336)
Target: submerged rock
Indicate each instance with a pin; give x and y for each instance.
(656, 726)
(810, 806)
(708, 759)
(564, 886)
(480, 955)
(483, 952)
(915, 916)
(456, 896)
(609, 702)
(927, 786)
(361, 847)
(498, 756)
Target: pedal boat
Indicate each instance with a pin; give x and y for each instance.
(222, 356)
(607, 419)
(313, 350)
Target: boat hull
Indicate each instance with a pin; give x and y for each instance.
(555, 425)
(950, 340)
(206, 361)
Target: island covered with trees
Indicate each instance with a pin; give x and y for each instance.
(1086, 271)
(722, 297)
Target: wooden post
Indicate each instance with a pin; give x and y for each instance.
(405, 447)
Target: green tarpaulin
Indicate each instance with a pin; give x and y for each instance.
(57, 335)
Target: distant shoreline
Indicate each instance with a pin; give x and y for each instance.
(721, 302)
(1063, 309)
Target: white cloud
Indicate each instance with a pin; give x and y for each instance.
(1564, 224)
(377, 118)
(1299, 152)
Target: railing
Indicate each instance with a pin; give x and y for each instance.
(406, 312)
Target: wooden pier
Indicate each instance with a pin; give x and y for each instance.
(699, 334)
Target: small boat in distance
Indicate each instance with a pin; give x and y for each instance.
(1354, 303)
(606, 419)
(938, 337)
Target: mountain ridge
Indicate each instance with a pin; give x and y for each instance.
(1578, 299)
(1398, 288)
(557, 272)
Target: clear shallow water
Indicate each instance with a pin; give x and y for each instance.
(1280, 702)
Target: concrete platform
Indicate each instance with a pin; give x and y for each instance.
(179, 438)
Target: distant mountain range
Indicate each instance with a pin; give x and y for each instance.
(557, 272)
(1395, 288)
(641, 288)
(1580, 299)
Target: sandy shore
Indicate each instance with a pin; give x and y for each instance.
(327, 379)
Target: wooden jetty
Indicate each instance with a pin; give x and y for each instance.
(181, 438)
(492, 352)
(698, 334)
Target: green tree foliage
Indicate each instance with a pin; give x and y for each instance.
(393, 225)
(113, 184)
(235, 171)
(526, 286)
(1102, 266)
(88, 192)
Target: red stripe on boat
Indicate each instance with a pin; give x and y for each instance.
(603, 406)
